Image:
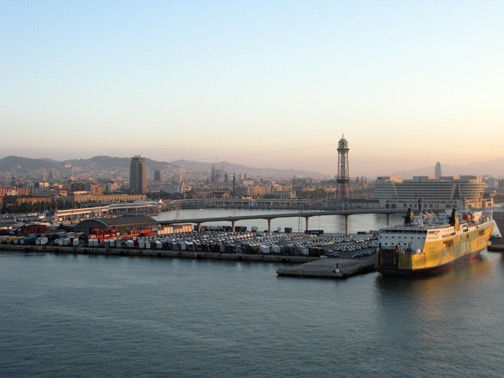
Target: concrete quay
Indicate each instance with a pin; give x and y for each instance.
(156, 253)
(497, 244)
(496, 247)
(335, 268)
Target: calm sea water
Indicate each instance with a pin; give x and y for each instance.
(119, 316)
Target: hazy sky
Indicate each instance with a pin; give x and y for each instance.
(261, 83)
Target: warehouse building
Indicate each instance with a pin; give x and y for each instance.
(130, 225)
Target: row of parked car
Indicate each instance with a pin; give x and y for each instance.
(248, 242)
(216, 241)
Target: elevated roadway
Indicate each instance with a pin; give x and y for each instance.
(269, 217)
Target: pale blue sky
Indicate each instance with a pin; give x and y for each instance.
(261, 83)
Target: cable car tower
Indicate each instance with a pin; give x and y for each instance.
(343, 177)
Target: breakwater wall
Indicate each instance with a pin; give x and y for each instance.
(157, 253)
(330, 268)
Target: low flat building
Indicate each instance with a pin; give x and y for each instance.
(447, 192)
(122, 224)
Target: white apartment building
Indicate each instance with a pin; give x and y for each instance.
(447, 192)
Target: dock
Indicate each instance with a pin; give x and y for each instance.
(158, 253)
(335, 268)
(496, 246)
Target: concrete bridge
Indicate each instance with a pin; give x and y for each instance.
(269, 217)
(269, 203)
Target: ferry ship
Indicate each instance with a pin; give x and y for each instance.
(428, 246)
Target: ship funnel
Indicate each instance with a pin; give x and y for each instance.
(454, 220)
(408, 219)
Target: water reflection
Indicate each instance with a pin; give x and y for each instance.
(426, 314)
(501, 256)
(433, 288)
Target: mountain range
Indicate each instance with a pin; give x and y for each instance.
(24, 165)
(120, 165)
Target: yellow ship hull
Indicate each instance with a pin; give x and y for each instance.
(437, 255)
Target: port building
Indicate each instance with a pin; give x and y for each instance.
(127, 226)
(123, 224)
(447, 192)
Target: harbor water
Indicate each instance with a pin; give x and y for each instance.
(79, 315)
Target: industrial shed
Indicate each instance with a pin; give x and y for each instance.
(124, 224)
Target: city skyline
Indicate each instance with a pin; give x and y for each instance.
(264, 84)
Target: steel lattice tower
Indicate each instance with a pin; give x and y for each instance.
(343, 177)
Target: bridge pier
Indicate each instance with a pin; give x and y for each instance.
(197, 222)
(233, 224)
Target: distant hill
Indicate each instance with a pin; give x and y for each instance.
(116, 164)
(26, 164)
(122, 164)
(100, 162)
(236, 168)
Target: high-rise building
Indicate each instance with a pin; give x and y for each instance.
(437, 171)
(343, 177)
(138, 175)
(157, 175)
(217, 175)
